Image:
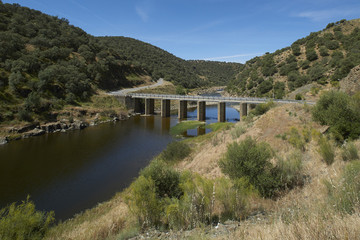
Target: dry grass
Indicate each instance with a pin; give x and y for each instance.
(107, 219)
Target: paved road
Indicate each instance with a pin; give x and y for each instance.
(129, 90)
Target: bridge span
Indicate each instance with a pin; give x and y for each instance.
(133, 100)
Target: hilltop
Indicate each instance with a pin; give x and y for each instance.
(47, 64)
(323, 58)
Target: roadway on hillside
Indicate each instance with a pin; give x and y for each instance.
(125, 91)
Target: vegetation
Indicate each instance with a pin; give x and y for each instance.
(46, 63)
(349, 152)
(339, 111)
(22, 221)
(326, 150)
(175, 151)
(332, 52)
(345, 195)
(251, 160)
(183, 126)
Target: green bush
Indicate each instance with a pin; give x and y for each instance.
(296, 49)
(339, 111)
(296, 140)
(142, 200)
(298, 96)
(345, 194)
(262, 108)
(166, 179)
(326, 150)
(252, 161)
(23, 221)
(349, 152)
(311, 54)
(175, 151)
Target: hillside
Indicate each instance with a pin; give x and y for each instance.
(319, 198)
(323, 57)
(46, 63)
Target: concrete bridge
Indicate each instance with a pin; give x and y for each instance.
(133, 100)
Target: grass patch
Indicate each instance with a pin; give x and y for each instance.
(101, 101)
(181, 127)
(219, 125)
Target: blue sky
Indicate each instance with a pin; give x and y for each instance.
(221, 30)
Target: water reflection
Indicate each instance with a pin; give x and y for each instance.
(70, 172)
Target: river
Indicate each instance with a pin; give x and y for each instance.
(73, 171)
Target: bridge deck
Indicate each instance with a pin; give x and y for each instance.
(215, 99)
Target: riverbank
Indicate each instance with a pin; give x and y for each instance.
(101, 109)
(304, 207)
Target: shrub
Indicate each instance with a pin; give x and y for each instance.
(290, 170)
(252, 161)
(262, 108)
(165, 179)
(340, 112)
(175, 151)
(237, 131)
(326, 150)
(142, 201)
(233, 198)
(296, 49)
(298, 96)
(296, 140)
(311, 54)
(23, 221)
(349, 152)
(345, 194)
(323, 51)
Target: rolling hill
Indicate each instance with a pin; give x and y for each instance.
(323, 57)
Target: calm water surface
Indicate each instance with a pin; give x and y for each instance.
(70, 172)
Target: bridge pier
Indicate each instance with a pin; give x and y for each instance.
(221, 112)
(149, 106)
(182, 109)
(243, 110)
(137, 105)
(201, 110)
(165, 108)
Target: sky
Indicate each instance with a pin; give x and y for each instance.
(219, 30)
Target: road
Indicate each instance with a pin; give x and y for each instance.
(129, 90)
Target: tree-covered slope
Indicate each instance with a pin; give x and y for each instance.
(324, 57)
(216, 73)
(46, 63)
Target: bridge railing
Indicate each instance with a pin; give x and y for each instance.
(215, 98)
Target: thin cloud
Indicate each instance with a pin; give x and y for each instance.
(89, 11)
(233, 56)
(322, 15)
(142, 13)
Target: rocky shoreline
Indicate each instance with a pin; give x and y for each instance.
(63, 125)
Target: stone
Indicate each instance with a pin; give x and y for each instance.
(3, 140)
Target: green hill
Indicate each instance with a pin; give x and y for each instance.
(46, 63)
(323, 57)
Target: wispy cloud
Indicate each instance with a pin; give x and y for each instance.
(233, 56)
(142, 13)
(322, 15)
(90, 12)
